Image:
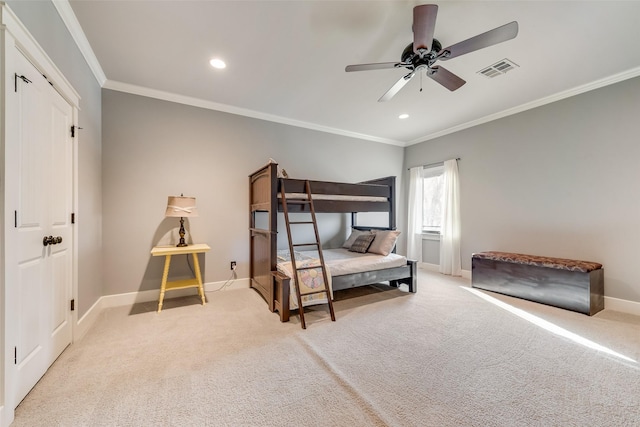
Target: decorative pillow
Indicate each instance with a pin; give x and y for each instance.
(384, 242)
(352, 238)
(362, 243)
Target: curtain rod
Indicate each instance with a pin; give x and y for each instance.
(434, 164)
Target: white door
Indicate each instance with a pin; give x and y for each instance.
(44, 178)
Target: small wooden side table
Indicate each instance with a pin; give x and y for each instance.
(196, 282)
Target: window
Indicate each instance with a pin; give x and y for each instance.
(433, 188)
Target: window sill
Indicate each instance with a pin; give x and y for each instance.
(431, 236)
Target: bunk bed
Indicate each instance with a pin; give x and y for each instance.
(328, 197)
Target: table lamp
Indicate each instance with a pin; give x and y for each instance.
(181, 206)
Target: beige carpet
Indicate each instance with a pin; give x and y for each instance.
(441, 357)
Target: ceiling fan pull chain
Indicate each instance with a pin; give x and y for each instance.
(420, 82)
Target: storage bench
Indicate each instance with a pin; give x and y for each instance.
(564, 283)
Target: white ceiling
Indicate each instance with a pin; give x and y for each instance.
(286, 59)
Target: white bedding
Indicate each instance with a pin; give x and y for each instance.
(342, 261)
(310, 279)
(338, 262)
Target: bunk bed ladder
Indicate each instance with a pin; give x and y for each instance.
(306, 200)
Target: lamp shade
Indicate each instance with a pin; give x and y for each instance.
(181, 206)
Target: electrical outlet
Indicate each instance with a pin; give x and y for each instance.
(233, 265)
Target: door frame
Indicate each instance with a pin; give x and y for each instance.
(13, 37)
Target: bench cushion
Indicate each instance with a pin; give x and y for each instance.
(540, 261)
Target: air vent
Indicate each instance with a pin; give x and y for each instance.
(499, 68)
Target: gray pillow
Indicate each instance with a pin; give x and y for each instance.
(362, 243)
(352, 238)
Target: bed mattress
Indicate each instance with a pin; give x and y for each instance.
(342, 261)
(338, 262)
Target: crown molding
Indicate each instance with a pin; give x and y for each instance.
(201, 103)
(625, 75)
(73, 25)
(71, 21)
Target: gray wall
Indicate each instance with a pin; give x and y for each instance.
(560, 180)
(431, 251)
(46, 26)
(153, 149)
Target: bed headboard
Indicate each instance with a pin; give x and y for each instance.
(389, 182)
(264, 186)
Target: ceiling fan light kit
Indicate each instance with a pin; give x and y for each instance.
(425, 50)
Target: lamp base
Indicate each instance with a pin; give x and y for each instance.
(182, 242)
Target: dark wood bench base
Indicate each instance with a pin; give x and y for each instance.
(578, 291)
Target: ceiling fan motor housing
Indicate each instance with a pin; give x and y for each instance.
(409, 57)
(418, 60)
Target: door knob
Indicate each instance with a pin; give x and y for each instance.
(50, 240)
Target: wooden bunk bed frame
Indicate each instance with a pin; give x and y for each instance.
(263, 197)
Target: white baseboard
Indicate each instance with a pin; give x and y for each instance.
(621, 305)
(220, 286)
(131, 298)
(610, 303)
(4, 422)
(429, 267)
(436, 268)
(87, 320)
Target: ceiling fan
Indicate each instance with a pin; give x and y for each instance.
(425, 51)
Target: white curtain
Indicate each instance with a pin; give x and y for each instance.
(450, 228)
(414, 235)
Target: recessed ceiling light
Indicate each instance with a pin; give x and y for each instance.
(403, 116)
(217, 63)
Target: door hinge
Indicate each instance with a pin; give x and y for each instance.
(73, 218)
(73, 130)
(15, 219)
(15, 80)
(15, 355)
(73, 305)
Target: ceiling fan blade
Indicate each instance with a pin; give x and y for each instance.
(424, 23)
(445, 77)
(396, 87)
(491, 37)
(376, 66)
